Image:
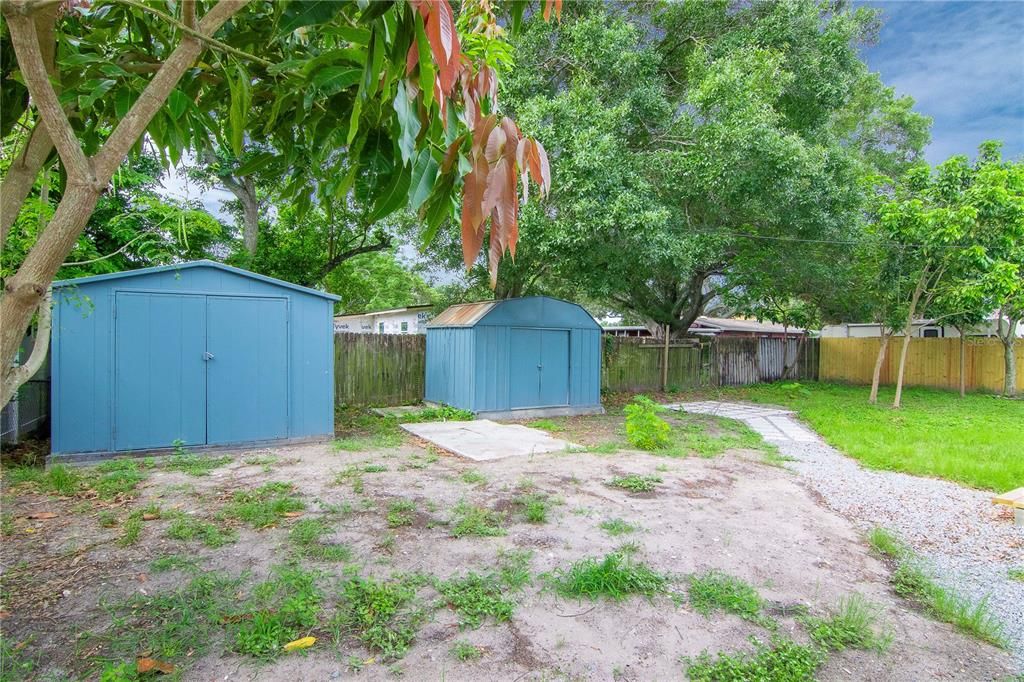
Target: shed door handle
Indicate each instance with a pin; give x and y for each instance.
(207, 355)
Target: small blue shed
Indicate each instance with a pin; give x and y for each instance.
(519, 357)
(198, 353)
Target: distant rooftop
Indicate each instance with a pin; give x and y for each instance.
(714, 324)
(386, 312)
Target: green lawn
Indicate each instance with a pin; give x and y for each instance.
(977, 441)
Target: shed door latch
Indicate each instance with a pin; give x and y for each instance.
(207, 355)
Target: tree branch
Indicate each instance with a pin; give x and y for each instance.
(184, 27)
(340, 258)
(25, 41)
(21, 176)
(131, 127)
(17, 376)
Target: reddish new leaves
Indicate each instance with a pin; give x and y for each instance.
(499, 156)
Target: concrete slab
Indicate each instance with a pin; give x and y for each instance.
(482, 440)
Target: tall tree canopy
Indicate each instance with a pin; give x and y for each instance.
(689, 137)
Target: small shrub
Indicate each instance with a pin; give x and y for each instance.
(782, 661)
(617, 527)
(851, 625)
(644, 428)
(472, 520)
(401, 513)
(715, 590)
(464, 651)
(616, 576)
(636, 483)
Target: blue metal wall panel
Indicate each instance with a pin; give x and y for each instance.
(585, 358)
(246, 369)
(159, 376)
(84, 358)
(491, 368)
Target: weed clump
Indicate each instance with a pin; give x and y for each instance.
(850, 625)
(644, 428)
(472, 520)
(617, 527)
(616, 576)
(401, 513)
(379, 614)
(636, 483)
(782, 660)
(282, 608)
(306, 535)
(263, 506)
(715, 590)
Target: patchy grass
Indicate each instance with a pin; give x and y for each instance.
(359, 430)
(608, 447)
(534, 507)
(852, 624)
(131, 532)
(912, 579)
(195, 465)
(616, 576)
(782, 661)
(401, 513)
(177, 626)
(185, 527)
(118, 478)
(708, 437)
(636, 483)
(935, 433)
(306, 535)
(380, 614)
(463, 651)
(473, 477)
(717, 591)
(263, 506)
(472, 520)
(172, 562)
(617, 527)
(282, 609)
(547, 425)
(1016, 574)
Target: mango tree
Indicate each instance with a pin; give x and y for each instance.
(399, 96)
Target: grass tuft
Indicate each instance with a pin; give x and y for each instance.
(382, 615)
(195, 465)
(781, 661)
(401, 513)
(306, 535)
(850, 625)
(534, 507)
(463, 651)
(616, 576)
(184, 527)
(636, 483)
(617, 527)
(472, 520)
(473, 477)
(263, 506)
(717, 591)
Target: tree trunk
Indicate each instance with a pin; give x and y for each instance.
(1009, 341)
(877, 374)
(963, 361)
(26, 370)
(908, 330)
(25, 289)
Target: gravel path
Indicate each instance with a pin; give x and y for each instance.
(970, 543)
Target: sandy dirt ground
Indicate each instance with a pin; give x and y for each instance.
(732, 513)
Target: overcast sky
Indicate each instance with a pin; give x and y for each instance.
(963, 63)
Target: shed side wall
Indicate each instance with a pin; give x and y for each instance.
(450, 367)
(585, 371)
(492, 369)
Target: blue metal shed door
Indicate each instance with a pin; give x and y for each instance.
(538, 368)
(247, 369)
(160, 381)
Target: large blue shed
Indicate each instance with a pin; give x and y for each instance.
(199, 353)
(519, 357)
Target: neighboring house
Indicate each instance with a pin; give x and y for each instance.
(922, 329)
(625, 330)
(721, 326)
(411, 320)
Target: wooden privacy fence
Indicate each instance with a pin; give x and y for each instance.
(930, 362)
(388, 369)
(379, 369)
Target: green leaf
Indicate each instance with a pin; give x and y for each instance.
(428, 71)
(178, 103)
(307, 12)
(257, 162)
(408, 121)
(395, 195)
(334, 79)
(353, 121)
(123, 102)
(239, 109)
(424, 172)
(376, 9)
(374, 65)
